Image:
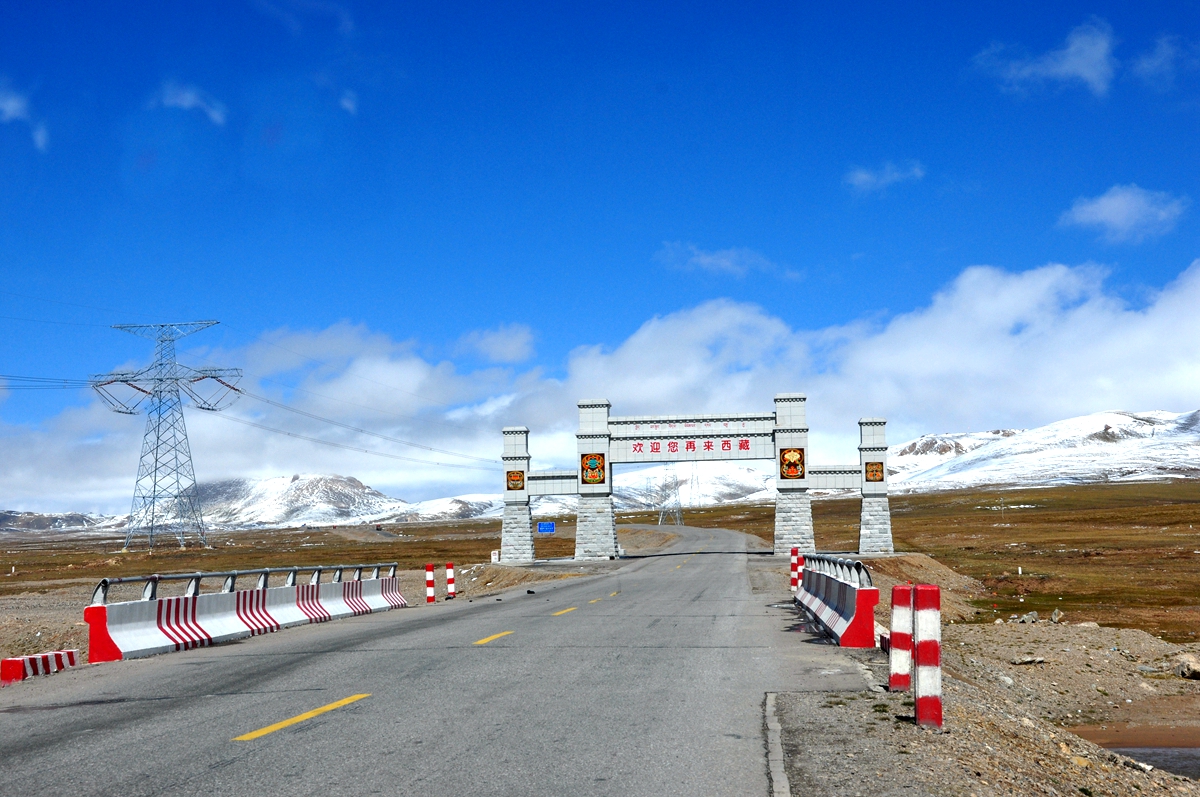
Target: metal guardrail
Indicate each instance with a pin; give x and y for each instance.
(150, 590)
(850, 571)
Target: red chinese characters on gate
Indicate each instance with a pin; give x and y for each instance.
(688, 446)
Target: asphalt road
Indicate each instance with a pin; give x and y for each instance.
(645, 679)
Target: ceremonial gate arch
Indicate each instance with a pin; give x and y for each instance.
(604, 440)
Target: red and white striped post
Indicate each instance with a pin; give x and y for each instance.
(900, 639)
(927, 644)
(795, 569)
(429, 596)
(450, 581)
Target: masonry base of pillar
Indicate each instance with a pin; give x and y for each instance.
(516, 534)
(596, 528)
(793, 522)
(875, 527)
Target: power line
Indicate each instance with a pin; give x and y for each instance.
(297, 389)
(353, 448)
(316, 417)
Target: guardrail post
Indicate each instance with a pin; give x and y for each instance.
(375, 573)
(262, 579)
(230, 582)
(392, 571)
(150, 591)
(900, 640)
(795, 569)
(927, 644)
(193, 587)
(450, 592)
(430, 597)
(337, 576)
(315, 578)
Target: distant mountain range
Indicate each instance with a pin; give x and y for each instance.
(1103, 447)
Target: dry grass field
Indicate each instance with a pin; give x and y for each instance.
(1125, 555)
(1122, 555)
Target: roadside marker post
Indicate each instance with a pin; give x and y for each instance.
(927, 645)
(795, 569)
(900, 639)
(429, 594)
(450, 592)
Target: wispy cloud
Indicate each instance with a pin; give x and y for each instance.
(1127, 213)
(289, 13)
(737, 261)
(1159, 67)
(14, 107)
(866, 180)
(507, 343)
(1086, 57)
(349, 102)
(188, 98)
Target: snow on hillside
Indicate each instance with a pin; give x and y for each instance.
(1102, 447)
(1105, 446)
(293, 501)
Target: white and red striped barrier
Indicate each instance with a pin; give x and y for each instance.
(21, 667)
(450, 593)
(839, 594)
(796, 559)
(158, 625)
(927, 647)
(430, 597)
(900, 640)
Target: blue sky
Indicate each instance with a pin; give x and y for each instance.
(474, 206)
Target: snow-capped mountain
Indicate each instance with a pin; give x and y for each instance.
(293, 501)
(1102, 447)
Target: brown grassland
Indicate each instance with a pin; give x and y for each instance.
(1119, 554)
(1124, 555)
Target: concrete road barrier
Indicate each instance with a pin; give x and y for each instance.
(839, 594)
(21, 667)
(133, 629)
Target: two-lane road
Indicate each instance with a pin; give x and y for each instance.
(645, 680)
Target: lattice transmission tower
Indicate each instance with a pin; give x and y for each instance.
(165, 499)
(670, 508)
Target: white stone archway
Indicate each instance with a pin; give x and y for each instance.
(604, 441)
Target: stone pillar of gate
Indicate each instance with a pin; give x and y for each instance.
(793, 506)
(516, 530)
(596, 526)
(875, 526)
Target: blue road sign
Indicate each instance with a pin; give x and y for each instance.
(545, 528)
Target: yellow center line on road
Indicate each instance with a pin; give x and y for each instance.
(615, 594)
(564, 611)
(316, 712)
(596, 601)
(492, 638)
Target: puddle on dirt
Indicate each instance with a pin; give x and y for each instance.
(1176, 760)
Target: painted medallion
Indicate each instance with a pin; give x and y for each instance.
(874, 471)
(592, 467)
(791, 463)
(516, 480)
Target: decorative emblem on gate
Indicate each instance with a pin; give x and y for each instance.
(592, 466)
(791, 463)
(516, 480)
(874, 471)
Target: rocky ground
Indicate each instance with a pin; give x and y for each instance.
(1019, 698)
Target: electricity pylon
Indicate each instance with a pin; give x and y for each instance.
(164, 496)
(670, 508)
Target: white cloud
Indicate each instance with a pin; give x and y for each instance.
(737, 261)
(507, 343)
(992, 349)
(1086, 57)
(349, 102)
(1159, 67)
(14, 107)
(187, 98)
(1127, 213)
(868, 180)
